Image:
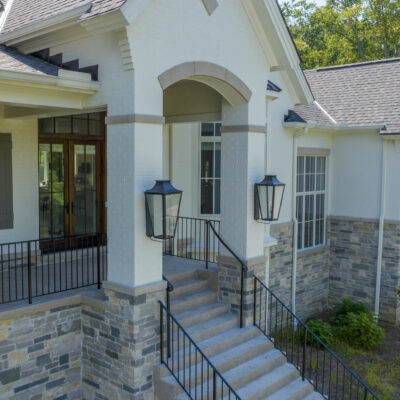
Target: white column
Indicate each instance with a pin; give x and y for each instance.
(134, 162)
(242, 158)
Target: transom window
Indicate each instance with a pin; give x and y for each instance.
(310, 201)
(210, 168)
(80, 125)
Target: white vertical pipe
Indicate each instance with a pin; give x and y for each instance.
(381, 228)
(295, 222)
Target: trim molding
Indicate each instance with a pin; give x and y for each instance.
(204, 69)
(138, 118)
(312, 151)
(135, 291)
(252, 262)
(243, 128)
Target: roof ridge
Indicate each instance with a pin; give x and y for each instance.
(352, 65)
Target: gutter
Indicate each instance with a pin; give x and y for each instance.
(76, 81)
(337, 127)
(294, 218)
(381, 229)
(35, 29)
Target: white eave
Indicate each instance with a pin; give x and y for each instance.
(337, 127)
(45, 25)
(77, 82)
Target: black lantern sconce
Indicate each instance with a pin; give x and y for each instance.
(163, 202)
(268, 197)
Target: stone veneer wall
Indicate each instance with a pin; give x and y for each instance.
(40, 353)
(354, 251)
(121, 345)
(312, 288)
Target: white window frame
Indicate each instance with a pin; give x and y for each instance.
(207, 139)
(315, 154)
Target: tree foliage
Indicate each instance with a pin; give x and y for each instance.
(344, 31)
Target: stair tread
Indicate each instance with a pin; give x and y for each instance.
(192, 296)
(265, 380)
(289, 390)
(220, 319)
(222, 337)
(314, 396)
(252, 364)
(200, 310)
(239, 349)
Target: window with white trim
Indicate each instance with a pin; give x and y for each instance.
(311, 200)
(210, 168)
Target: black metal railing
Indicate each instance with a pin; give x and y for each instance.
(316, 362)
(194, 240)
(36, 268)
(243, 269)
(191, 368)
(170, 289)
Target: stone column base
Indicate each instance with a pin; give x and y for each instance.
(229, 283)
(118, 362)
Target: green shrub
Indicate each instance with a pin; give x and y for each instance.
(321, 329)
(361, 331)
(348, 306)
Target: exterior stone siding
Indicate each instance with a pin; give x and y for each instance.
(40, 355)
(312, 287)
(229, 284)
(353, 255)
(121, 345)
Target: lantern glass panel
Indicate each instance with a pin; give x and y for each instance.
(172, 202)
(278, 196)
(155, 208)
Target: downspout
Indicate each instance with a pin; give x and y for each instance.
(381, 229)
(295, 222)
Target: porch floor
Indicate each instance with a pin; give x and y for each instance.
(175, 265)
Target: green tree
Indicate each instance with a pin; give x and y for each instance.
(344, 31)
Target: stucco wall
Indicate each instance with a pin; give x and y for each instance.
(25, 180)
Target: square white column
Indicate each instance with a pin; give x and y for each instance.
(134, 162)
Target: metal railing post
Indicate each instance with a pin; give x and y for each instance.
(207, 242)
(255, 302)
(215, 385)
(303, 373)
(29, 274)
(168, 323)
(98, 263)
(161, 335)
(242, 298)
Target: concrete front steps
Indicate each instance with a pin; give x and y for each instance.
(244, 357)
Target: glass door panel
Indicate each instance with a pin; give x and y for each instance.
(84, 203)
(51, 190)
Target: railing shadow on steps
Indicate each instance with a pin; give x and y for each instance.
(191, 368)
(316, 363)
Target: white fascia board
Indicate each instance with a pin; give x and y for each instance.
(338, 127)
(390, 136)
(45, 25)
(77, 82)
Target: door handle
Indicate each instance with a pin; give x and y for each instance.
(67, 208)
(72, 207)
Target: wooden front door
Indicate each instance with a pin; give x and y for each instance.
(71, 185)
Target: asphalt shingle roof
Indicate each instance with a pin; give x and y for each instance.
(26, 12)
(11, 59)
(355, 94)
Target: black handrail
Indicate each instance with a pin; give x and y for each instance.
(170, 289)
(193, 240)
(244, 269)
(36, 268)
(289, 332)
(199, 364)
